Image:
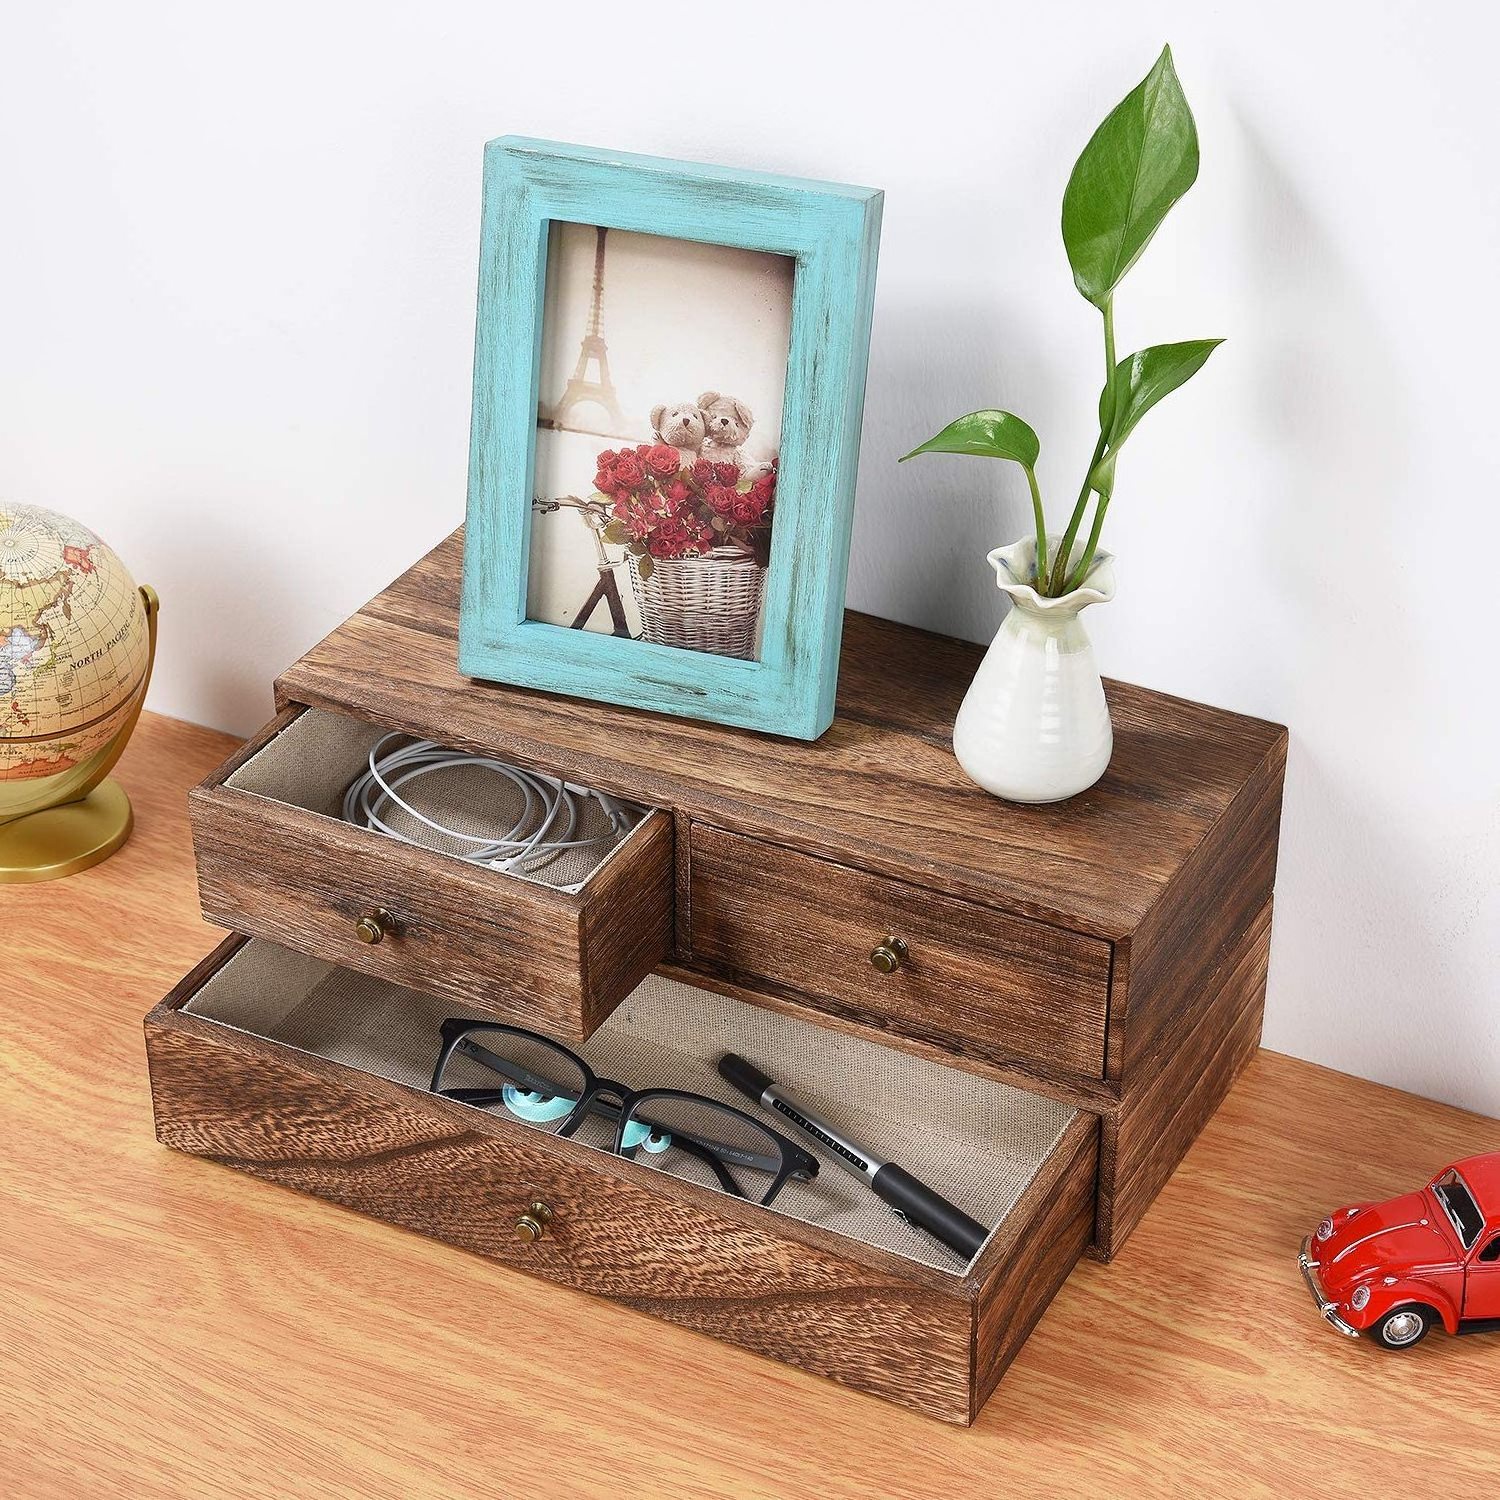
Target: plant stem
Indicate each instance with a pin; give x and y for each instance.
(1060, 564)
(1059, 573)
(1107, 399)
(1086, 561)
(1041, 526)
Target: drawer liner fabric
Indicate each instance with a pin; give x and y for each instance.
(311, 763)
(976, 1141)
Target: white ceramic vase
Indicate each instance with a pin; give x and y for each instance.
(1034, 726)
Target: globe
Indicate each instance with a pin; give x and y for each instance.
(76, 644)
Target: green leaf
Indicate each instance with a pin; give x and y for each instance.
(1137, 164)
(615, 532)
(1141, 380)
(644, 566)
(986, 434)
(1102, 475)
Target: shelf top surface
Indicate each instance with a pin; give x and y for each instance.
(880, 789)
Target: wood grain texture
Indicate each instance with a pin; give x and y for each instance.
(1158, 1120)
(1162, 968)
(682, 828)
(832, 232)
(1162, 865)
(171, 1329)
(858, 1315)
(977, 983)
(1028, 1259)
(628, 910)
(880, 791)
(513, 949)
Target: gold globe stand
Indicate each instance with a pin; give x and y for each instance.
(58, 825)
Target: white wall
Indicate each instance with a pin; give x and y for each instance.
(237, 266)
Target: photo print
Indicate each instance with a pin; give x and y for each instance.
(663, 369)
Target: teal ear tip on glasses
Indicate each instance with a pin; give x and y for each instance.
(545, 1085)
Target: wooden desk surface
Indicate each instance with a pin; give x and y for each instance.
(169, 1327)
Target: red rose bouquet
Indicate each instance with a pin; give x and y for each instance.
(661, 510)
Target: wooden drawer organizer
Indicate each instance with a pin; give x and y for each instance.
(259, 1038)
(276, 860)
(1080, 986)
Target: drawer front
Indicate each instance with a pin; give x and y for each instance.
(972, 981)
(509, 949)
(703, 1260)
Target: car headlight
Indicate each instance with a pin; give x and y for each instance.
(1360, 1298)
(1325, 1229)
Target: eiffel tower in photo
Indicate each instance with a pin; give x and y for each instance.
(599, 391)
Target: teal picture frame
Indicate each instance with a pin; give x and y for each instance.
(832, 234)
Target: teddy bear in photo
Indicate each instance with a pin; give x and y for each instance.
(681, 427)
(727, 424)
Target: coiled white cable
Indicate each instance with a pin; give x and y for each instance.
(543, 832)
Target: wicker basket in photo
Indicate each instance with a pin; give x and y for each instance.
(709, 603)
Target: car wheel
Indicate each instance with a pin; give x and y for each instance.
(1403, 1326)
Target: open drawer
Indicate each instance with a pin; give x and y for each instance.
(557, 950)
(313, 1076)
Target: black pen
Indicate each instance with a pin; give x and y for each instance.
(913, 1199)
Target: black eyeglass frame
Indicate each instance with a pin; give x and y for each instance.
(595, 1098)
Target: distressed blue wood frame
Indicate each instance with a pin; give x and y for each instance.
(832, 233)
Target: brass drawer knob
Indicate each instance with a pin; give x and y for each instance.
(374, 925)
(532, 1225)
(890, 955)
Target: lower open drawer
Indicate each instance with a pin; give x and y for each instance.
(314, 1076)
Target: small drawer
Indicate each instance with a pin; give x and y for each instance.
(277, 860)
(314, 1077)
(966, 979)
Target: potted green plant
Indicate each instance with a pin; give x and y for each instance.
(1034, 725)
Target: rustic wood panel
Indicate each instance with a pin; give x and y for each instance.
(510, 949)
(1033, 1253)
(682, 916)
(980, 984)
(1180, 1090)
(850, 1312)
(627, 917)
(880, 790)
(1162, 968)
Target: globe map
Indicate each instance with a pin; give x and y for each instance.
(74, 642)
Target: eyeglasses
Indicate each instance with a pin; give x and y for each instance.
(688, 1135)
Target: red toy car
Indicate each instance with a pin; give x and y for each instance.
(1394, 1269)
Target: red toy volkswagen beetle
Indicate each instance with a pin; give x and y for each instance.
(1394, 1269)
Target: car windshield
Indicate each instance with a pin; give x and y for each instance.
(1458, 1203)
